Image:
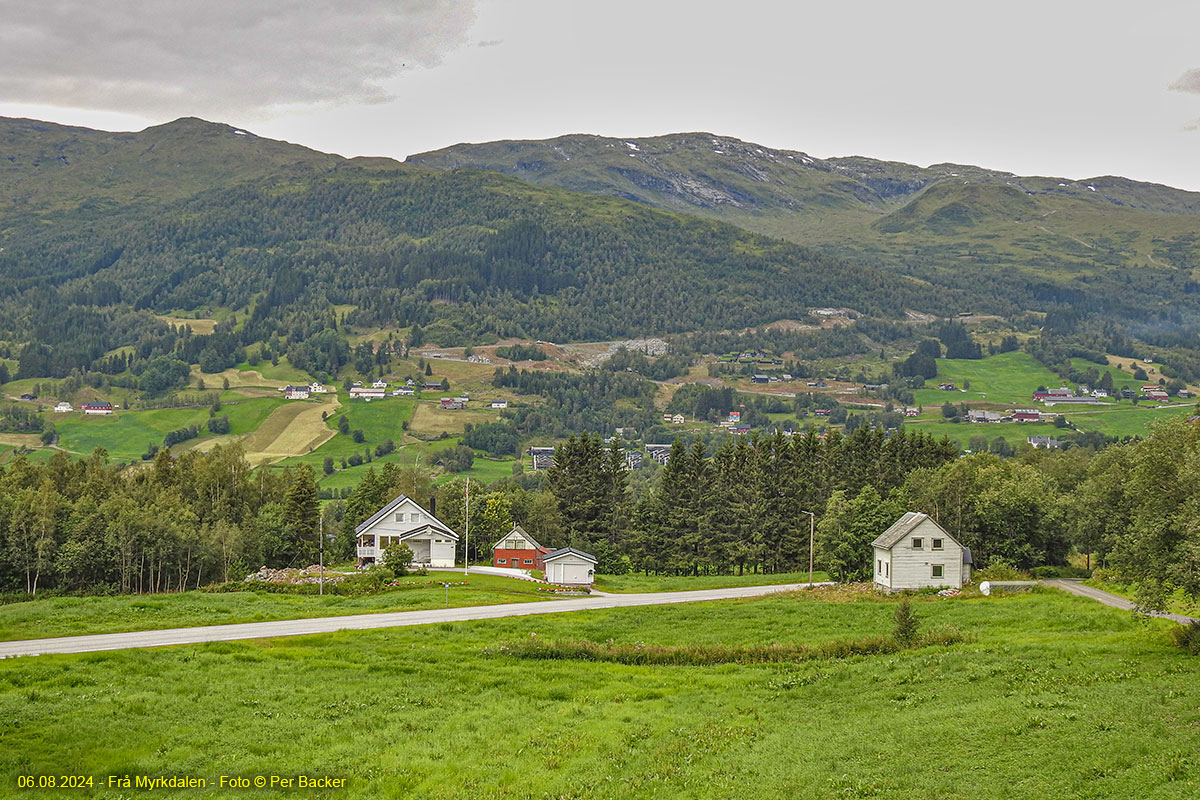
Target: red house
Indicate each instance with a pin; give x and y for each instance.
(518, 550)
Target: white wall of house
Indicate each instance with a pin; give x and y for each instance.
(404, 522)
(571, 570)
(907, 566)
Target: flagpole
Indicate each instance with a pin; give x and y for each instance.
(467, 541)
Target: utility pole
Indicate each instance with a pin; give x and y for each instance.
(467, 534)
(812, 526)
(321, 549)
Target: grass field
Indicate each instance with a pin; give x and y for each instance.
(1057, 696)
(1127, 421)
(126, 434)
(431, 420)
(637, 582)
(1008, 378)
(293, 428)
(961, 432)
(72, 616)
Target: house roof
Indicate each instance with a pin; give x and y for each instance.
(569, 551)
(967, 559)
(389, 507)
(518, 529)
(904, 526)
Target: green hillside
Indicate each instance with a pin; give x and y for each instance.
(49, 168)
(1107, 245)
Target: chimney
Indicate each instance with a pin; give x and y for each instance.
(432, 505)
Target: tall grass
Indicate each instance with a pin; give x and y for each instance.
(704, 655)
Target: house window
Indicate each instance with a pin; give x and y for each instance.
(937, 544)
(917, 543)
(529, 561)
(879, 568)
(501, 560)
(938, 569)
(414, 517)
(885, 570)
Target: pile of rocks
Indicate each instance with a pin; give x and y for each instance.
(310, 574)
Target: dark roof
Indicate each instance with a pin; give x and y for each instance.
(568, 551)
(388, 508)
(967, 559)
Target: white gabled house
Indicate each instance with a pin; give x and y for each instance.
(63, 407)
(403, 520)
(570, 567)
(916, 553)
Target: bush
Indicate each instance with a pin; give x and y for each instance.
(398, 558)
(1050, 572)
(907, 624)
(1000, 570)
(358, 436)
(1187, 638)
(219, 424)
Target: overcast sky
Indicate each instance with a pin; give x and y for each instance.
(1065, 88)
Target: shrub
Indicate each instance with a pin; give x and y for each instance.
(1187, 638)
(398, 558)
(907, 624)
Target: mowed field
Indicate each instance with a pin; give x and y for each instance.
(293, 428)
(127, 434)
(1056, 696)
(429, 418)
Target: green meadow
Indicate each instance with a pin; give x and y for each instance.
(637, 582)
(1008, 378)
(1051, 696)
(126, 434)
(73, 616)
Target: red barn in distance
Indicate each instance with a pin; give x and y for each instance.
(518, 550)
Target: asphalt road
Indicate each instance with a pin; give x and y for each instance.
(1109, 599)
(300, 627)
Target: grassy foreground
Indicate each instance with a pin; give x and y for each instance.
(637, 582)
(72, 616)
(1056, 696)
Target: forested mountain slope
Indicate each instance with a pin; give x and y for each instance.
(464, 253)
(1106, 245)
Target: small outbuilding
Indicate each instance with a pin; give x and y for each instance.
(916, 553)
(518, 550)
(570, 567)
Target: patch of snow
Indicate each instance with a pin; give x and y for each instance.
(632, 146)
(240, 133)
(1093, 188)
(719, 152)
(1062, 184)
(806, 159)
(633, 155)
(953, 174)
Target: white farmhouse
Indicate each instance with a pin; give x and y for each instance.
(402, 520)
(570, 567)
(63, 407)
(916, 552)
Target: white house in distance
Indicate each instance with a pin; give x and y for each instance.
(916, 552)
(570, 567)
(63, 407)
(403, 520)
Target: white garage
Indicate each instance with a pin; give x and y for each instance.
(570, 567)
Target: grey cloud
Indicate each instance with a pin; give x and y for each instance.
(218, 56)
(1187, 82)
